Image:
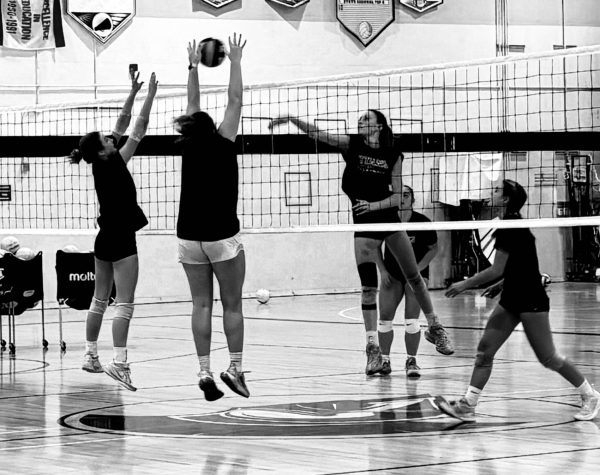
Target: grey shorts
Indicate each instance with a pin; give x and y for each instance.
(207, 252)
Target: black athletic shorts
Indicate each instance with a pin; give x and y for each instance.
(517, 305)
(114, 245)
(385, 215)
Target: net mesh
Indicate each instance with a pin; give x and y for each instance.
(461, 126)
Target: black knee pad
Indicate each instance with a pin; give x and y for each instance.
(368, 298)
(555, 362)
(367, 271)
(483, 360)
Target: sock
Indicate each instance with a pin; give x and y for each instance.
(236, 360)
(586, 389)
(385, 358)
(91, 347)
(432, 319)
(120, 354)
(373, 337)
(204, 363)
(472, 395)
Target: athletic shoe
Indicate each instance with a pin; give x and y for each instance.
(437, 335)
(121, 373)
(207, 384)
(459, 409)
(589, 407)
(412, 369)
(91, 364)
(236, 381)
(374, 360)
(386, 368)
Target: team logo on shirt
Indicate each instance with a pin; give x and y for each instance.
(421, 5)
(102, 18)
(365, 19)
(372, 165)
(398, 416)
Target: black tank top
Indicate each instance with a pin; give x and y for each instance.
(209, 190)
(117, 195)
(368, 172)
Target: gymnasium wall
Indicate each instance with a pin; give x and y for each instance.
(282, 44)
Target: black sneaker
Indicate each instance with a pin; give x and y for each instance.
(235, 381)
(412, 369)
(208, 386)
(386, 368)
(374, 361)
(437, 335)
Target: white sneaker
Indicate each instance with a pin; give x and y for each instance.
(91, 364)
(589, 407)
(121, 373)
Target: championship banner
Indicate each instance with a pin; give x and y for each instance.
(31, 24)
(102, 18)
(365, 19)
(218, 3)
(421, 5)
(290, 3)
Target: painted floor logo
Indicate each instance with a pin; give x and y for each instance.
(343, 418)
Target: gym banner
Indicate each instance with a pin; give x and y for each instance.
(290, 3)
(421, 6)
(365, 19)
(102, 18)
(218, 3)
(31, 24)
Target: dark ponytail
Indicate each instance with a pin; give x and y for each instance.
(89, 146)
(386, 136)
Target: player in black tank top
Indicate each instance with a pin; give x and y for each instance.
(372, 180)
(115, 249)
(207, 225)
(523, 300)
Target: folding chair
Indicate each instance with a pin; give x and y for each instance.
(75, 276)
(21, 288)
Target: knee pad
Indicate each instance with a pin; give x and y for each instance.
(483, 360)
(367, 271)
(124, 311)
(98, 307)
(385, 326)
(555, 362)
(412, 326)
(368, 298)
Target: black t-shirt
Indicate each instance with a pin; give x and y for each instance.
(420, 240)
(117, 195)
(209, 190)
(368, 172)
(522, 279)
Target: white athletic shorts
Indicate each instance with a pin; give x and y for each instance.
(207, 252)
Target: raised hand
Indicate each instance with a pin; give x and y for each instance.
(135, 85)
(235, 48)
(194, 53)
(153, 86)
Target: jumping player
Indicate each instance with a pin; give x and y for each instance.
(523, 300)
(373, 164)
(394, 288)
(208, 227)
(115, 248)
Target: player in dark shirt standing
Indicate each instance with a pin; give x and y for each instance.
(394, 289)
(523, 300)
(115, 248)
(372, 180)
(207, 226)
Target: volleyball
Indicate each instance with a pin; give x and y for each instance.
(263, 295)
(25, 253)
(10, 244)
(365, 30)
(546, 280)
(212, 52)
(70, 248)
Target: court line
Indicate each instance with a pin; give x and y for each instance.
(342, 313)
(41, 446)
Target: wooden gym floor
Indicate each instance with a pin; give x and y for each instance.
(312, 409)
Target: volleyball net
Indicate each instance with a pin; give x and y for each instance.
(463, 127)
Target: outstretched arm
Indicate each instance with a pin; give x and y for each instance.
(141, 123)
(125, 115)
(487, 275)
(340, 141)
(231, 121)
(193, 85)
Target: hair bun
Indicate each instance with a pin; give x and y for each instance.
(75, 156)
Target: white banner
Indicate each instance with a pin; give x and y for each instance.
(31, 24)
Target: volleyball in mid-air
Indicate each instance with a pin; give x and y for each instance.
(10, 244)
(263, 295)
(212, 52)
(25, 253)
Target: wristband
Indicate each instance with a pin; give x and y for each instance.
(192, 66)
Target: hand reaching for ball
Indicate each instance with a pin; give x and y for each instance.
(235, 48)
